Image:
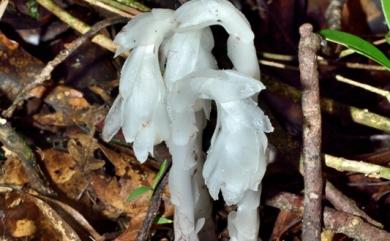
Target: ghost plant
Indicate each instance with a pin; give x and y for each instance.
(166, 88)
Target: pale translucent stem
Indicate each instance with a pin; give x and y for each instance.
(180, 186)
(203, 205)
(243, 224)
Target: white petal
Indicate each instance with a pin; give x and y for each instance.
(144, 142)
(113, 121)
(187, 52)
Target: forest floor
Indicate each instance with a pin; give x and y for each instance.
(60, 181)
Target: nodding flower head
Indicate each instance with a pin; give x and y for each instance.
(139, 108)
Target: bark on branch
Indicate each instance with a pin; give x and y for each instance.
(308, 46)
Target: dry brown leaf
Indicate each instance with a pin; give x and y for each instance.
(121, 161)
(66, 99)
(22, 219)
(12, 171)
(82, 147)
(65, 172)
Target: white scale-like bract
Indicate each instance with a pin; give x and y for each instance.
(166, 88)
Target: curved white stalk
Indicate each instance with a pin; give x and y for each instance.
(145, 29)
(198, 14)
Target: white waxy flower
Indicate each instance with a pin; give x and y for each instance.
(141, 99)
(238, 144)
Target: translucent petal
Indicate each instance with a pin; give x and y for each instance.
(144, 142)
(187, 52)
(113, 121)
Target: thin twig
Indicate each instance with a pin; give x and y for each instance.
(76, 24)
(339, 222)
(360, 116)
(46, 71)
(143, 233)
(342, 165)
(323, 62)
(123, 7)
(3, 6)
(367, 87)
(14, 142)
(311, 154)
(343, 203)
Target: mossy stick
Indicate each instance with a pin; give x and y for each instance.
(346, 165)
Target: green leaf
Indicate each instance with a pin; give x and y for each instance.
(386, 11)
(160, 173)
(163, 220)
(138, 192)
(357, 44)
(32, 7)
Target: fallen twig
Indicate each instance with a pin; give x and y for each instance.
(15, 143)
(109, 8)
(311, 153)
(342, 165)
(367, 87)
(46, 71)
(3, 6)
(345, 204)
(144, 232)
(339, 222)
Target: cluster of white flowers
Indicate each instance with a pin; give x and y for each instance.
(165, 93)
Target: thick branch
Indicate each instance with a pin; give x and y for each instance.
(311, 154)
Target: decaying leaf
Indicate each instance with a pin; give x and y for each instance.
(65, 172)
(12, 171)
(26, 217)
(17, 69)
